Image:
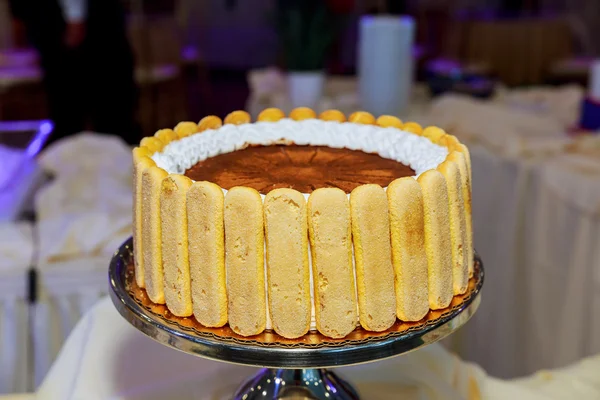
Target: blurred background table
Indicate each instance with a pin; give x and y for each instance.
(102, 359)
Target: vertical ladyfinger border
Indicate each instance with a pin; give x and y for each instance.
(330, 236)
(141, 161)
(407, 229)
(443, 190)
(152, 178)
(287, 262)
(459, 154)
(174, 242)
(373, 257)
(206, 246)
(244, 257)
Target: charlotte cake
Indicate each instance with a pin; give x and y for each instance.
(302, 223)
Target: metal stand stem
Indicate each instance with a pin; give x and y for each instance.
(296, 384)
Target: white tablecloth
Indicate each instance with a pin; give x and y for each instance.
(536, 216)
(105, 357)
(83, 217)
(16, 251)
(67, 290)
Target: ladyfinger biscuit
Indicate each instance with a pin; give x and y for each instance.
(333, 273)
(151, 233)
(185, 129)
(388, 121)
(373, 256)
(139, 165)
(237, 118)
(206, 247)
(465, 150)
(288, 276)
(450, 141)
(244, 258)
(362, 117)
(136, 155)
(139, 152)
(438, 245)
(332, 115)
(271, 115)
(407, 231)
(302, 113)
(434, 134)
(209, 122)
(152, 144)
(458, 228)
(413, 127)
(174, 228)
(461, 163)
(166, 135)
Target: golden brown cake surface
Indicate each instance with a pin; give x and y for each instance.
(303, 168)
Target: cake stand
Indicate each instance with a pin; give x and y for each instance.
(290, 369)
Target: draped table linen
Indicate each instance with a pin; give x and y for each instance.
(105, 357)
(16, 253)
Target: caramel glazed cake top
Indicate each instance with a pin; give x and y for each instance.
(304, 152)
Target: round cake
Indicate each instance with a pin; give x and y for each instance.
(302, 223)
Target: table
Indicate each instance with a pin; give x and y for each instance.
(540, 308)
(16, 252)
(105, 357)
(536, 220)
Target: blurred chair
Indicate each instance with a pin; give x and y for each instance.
(519, 51)
(5, 26)
(576, 66)
(157, 46)
(21, 91)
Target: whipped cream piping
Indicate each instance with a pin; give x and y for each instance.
(417, 152)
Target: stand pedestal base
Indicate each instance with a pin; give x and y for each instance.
(296, 384)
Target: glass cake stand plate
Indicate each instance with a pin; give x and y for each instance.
(290, 369)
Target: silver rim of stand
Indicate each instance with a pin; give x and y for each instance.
(286, 373)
